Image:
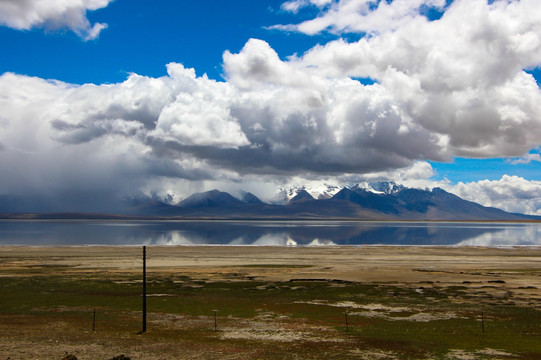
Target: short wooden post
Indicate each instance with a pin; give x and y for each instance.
(215, 320)
(347, 325)
(483, 321)
(94, 320)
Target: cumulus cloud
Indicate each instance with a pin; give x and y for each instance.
(295, 5)
(53, 14)
(510, 193)
(445, 88)
(63, 139)
(361, 16)
(460, 77)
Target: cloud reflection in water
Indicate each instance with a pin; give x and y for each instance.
(253, 233)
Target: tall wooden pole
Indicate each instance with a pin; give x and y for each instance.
(144, 289)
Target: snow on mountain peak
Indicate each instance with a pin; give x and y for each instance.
(321, 191)
(317, 191)
(381, 187)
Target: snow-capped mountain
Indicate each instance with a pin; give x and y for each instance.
(327, 191)
(317, 191)
(366, 201)
(301, 196)
(380, 187)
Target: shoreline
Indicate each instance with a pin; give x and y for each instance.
(119, 217)
(406, 264)
(308, 246)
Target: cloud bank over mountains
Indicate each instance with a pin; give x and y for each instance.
(510, 193)
(53, 15)
(455, 86)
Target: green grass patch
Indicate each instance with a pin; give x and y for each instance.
(379, 315)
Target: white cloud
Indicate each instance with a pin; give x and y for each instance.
(53, 14)
(200, 114)
(295, 5)
(510, 193)
(526, 159)
(321, 124)
(363, 16)
(258, 66)
(459, 77)
(59, 138)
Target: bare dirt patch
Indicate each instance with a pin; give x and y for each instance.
(401, 286)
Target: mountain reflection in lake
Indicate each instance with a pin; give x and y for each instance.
(267, 233)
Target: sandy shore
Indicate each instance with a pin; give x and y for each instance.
(516, 269)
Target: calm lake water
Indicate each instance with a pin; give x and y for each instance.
(267, 233)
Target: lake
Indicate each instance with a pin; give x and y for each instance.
(267, 233)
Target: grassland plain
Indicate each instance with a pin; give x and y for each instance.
(271, 302)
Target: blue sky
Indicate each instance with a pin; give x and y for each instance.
(468, 170)
(331, 41)
(143, 36)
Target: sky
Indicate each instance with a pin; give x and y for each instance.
(101, 99)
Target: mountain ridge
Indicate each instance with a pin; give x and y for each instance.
(376, 201)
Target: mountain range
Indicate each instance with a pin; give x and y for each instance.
(373, 201)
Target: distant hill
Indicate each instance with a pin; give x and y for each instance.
(250, 198)
(213, 198)
(378, 201)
